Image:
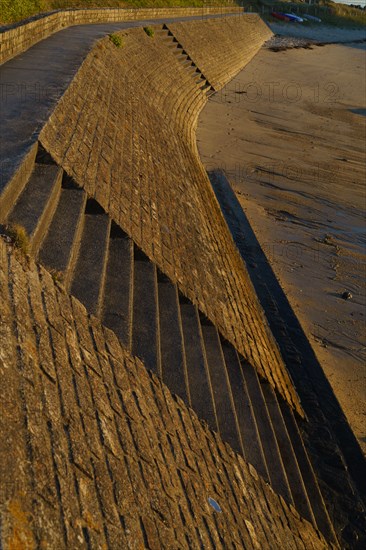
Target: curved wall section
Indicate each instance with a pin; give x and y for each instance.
(124, 131)
(223, 51)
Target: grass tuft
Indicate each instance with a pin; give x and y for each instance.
(116, 40)
(19, 237)
(149, 31)
(56, 275)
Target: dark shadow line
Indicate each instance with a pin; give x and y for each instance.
(326, 418)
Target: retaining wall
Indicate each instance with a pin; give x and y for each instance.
(124, 131)
(19, 37)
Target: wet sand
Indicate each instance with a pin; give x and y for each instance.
(289, 132)
(318, 33)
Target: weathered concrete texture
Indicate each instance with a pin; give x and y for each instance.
(19, 37)
(124, 130)
(115, 280)
(97, 453)
(32, 83)
(216, 52)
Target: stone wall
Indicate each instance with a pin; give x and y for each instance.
(97, 453)
(124, 131)
(19, 37)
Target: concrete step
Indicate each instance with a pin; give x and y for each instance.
(172, 46)
(161, 33)
(205, 87)
(199, 382)
(225, 412)
(276, 468)
(117, 307)
(10, 190)
(277, 419)
(167, 37)
(199, 78)
(178, 52)
(60, 248)
(118, 283)
(289, 459)
(145, 316)
(191, 68)
(37, 203)
(319, 511)
(89, 277)
(173, 360)
(249, 430)
(184, 61)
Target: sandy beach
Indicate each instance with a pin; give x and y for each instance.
(317, 33)
(289, 133)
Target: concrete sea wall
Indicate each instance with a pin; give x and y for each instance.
(125, 132)
(130, 328)
(121, 289)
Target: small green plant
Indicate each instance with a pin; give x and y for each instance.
(149, 31)
(19, 237)
(56, 275)
(116, 40)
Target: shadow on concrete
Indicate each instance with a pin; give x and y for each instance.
(327, 431)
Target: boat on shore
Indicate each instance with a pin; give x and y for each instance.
(288, 17)
(294, 17)
(280, 16)
(311, 18)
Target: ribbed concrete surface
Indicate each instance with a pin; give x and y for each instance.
(102, 267)
(142, 108)
(216, 52)
(97, 452)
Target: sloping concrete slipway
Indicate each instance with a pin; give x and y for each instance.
(145, 402)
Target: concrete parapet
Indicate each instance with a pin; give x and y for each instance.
(19, 37)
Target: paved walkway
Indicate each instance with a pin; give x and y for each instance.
(33, 82)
